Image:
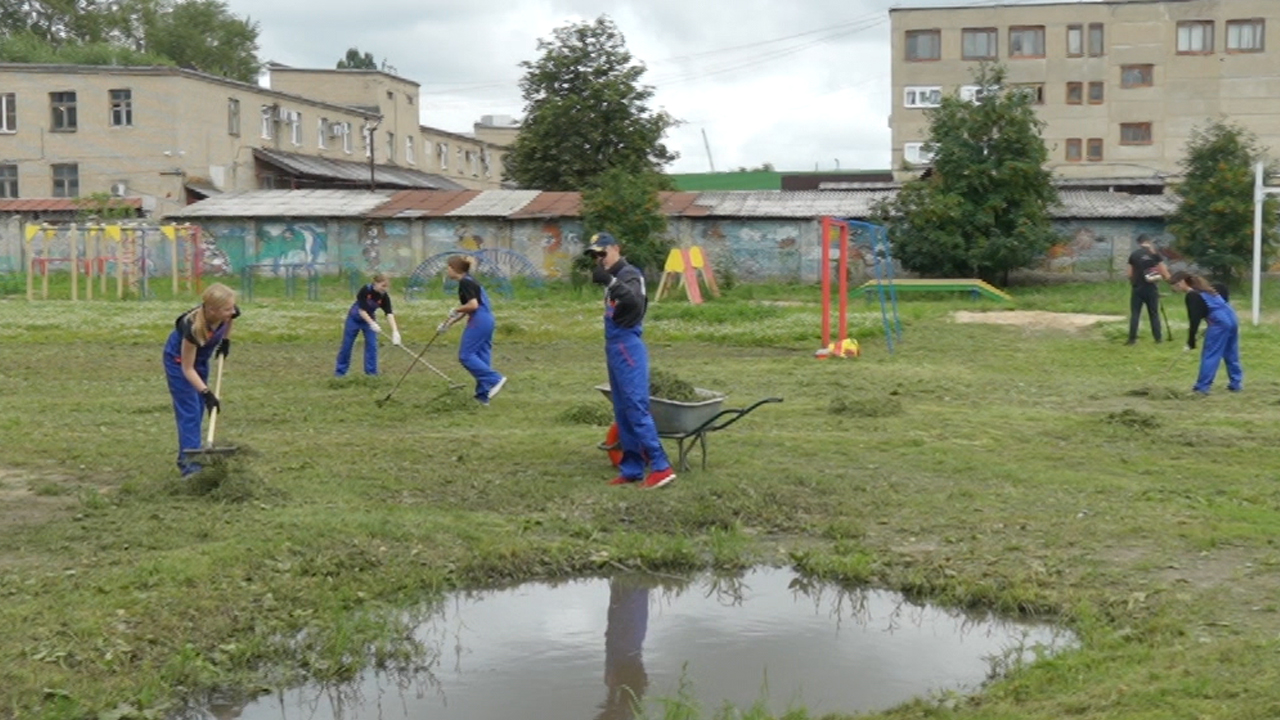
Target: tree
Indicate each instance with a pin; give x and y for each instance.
(983, 208)
(200, 34)
(627, 206)
(355, 61)
(585, 112)
(1213, 224)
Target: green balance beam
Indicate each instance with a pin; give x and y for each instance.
(977, 288)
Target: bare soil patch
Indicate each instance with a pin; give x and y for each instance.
(1035, 319)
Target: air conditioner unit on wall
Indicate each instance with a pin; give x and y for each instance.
(118, 189)
(337, 130)
(282, 114)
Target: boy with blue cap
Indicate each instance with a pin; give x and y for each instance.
(625, 303)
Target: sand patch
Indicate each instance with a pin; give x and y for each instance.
(1037, 319)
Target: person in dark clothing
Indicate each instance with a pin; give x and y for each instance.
(1221, 338)
(627, 358)
(197, 334)
(628, 622)
(360, 319)
(476, 349)
(1197, 309)
(1145, 269)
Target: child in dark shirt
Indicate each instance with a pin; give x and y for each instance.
(360, 319)
(197, 334)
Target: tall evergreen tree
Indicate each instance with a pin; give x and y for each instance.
(983, 208)
(1213, 224)
(585, 112)
(356, 61)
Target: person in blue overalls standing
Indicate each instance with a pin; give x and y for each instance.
(1221, 338)
(360, 319)
(197, 334)
(476, 349)
(625, 303)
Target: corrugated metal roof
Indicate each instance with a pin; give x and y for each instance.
(1097, 204)
(783, 204)
(496, 203)
(288, 203)
(17, 205)
(350, 171)
(686, 204)
(424, 203)
(551, 205)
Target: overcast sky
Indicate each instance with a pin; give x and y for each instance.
(801, 84)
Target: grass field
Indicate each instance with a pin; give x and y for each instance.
(1037, 471)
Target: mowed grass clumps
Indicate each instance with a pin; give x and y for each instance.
(978, 466)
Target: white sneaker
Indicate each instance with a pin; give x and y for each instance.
(497, 387)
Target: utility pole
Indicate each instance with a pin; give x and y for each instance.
(370, 127)
(707, 145)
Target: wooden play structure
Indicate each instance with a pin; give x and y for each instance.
(683, 267)
(974, 287)
(130, 252)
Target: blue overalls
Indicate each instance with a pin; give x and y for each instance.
(1221, 344)
(188, 405)
(628, 362)
(475, 351)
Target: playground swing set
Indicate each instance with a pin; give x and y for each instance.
(98, 251)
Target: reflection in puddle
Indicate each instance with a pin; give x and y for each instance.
(590, 649)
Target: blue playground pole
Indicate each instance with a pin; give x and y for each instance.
(883, 254)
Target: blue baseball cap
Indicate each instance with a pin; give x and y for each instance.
(600, 241)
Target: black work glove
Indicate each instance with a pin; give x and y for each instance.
(210, 401)
(601, 276)
(224, 347)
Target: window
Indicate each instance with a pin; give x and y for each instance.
(1075, 93)
(915, 153)
(442, 153)
(233, 117)
(1033, 91)
(973, 93)
(1074, 150)
(1245, 35)
(8, 181)
(63, 106)
(1075, 41)
(1135, 133)
(268, 122)
(408, 150)
(369, 130)
(1095, 93)
(8, 112)
(391, 147)
(978, 44)
(1093, 150)
(1026, 41)
(408, 98)
(1096, 37)
(66, 180)
(121, 108)
(1195, 37)
(295, 128)
(924, 45)
(922, 97)
(1132, 76)
(322, 133)
(346, 137)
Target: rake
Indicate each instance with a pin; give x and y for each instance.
(209, 449)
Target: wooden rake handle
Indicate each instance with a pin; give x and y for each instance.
(217, 391)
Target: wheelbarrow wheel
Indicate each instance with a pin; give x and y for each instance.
(611, 446)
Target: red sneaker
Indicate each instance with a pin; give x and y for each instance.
(658, 478)
(620, 480)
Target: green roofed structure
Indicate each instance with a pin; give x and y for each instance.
(774, 180)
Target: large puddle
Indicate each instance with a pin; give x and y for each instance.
(587, 649)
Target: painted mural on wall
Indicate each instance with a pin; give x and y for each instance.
(761, 249)
(226, 245)
(381, 246)
(284, 244)
(1103, 246)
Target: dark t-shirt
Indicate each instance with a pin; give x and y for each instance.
(370, 299)
(1197, 310)
(468, 290)
(1143, 261)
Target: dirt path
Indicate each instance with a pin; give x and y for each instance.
(1035, 319)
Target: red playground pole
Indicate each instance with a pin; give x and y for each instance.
(844, 286)
(827, 225)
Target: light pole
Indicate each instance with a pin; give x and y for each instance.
(1260, 193)
(370, 126)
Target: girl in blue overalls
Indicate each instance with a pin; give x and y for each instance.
(197, 335)
(369, 299)
(1221, 338)
(476, 349)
